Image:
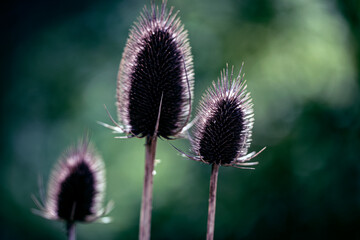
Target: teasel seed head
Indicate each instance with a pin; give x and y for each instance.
(225, 118)
(156, 71)
(76, 187)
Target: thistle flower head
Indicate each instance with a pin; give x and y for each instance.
(155, 79)
(76, 187)
(222, 133)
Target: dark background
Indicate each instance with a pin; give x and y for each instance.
(59, 61)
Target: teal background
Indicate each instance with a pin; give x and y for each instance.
(59, 61)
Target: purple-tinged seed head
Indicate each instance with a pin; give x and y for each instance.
(156, 67)
(223, 130)
(76, 187)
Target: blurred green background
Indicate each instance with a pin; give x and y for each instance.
(59, 61)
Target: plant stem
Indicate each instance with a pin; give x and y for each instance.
(70, 230)
(146, 204)
(212, 202)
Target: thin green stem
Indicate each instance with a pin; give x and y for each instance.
(146, 204)
(70, 230)
(212, 202)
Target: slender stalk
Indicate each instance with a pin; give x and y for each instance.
(212, 202)
(70, 230)
(146, 204)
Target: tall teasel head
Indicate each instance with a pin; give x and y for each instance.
(155, 79)
(225, 118)
(76, 187)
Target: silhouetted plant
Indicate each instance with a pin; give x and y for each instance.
(222, 132)
(154, 91)
(76, 189)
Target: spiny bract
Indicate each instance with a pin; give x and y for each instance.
(222, 133)
(156, 67)
(76, 187)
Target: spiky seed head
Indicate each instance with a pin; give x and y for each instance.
(156, 66)
(223, 130)
(76, 187)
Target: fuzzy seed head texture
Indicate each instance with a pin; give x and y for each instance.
(156, 67)
(76, 187)
(225, 115)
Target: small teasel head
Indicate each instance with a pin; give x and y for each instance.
(225, 118)
(155, 79)
(76, 187)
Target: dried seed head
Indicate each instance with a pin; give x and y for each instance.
(156, 67)
(222, 133)
(76, 187)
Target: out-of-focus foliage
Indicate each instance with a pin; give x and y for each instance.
(302, 63)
